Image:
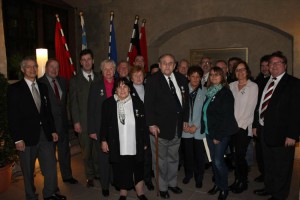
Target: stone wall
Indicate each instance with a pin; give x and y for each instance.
(178, 26)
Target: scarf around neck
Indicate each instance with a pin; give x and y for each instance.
(213, 90)
(120, 107)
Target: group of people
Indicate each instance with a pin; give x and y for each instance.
(133, 125)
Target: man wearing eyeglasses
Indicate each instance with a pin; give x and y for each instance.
(167, 113)
(205, 64)
(277, 122)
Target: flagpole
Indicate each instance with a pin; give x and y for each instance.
(110, 30)
(132, 36)
(143, 25)
(65, 43)
(83, 33)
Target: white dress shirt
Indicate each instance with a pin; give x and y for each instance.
(127, 133)
(278, 78)
(178, 91)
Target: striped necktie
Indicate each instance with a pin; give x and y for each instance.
(267, 98)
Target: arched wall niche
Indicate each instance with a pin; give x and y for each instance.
(224, 32)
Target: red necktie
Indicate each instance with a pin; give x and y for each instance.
(56, 89)
(267, 98)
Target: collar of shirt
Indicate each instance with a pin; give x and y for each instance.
(29, 83)
(278, 78)
(86, 75)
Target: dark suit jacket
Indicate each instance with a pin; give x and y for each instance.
(110, 132)
(281, 118)
(79, 92)
(97, 95)
(160, 105)
(134, 93)
(58, 107)
(220, 115)
(24, 119)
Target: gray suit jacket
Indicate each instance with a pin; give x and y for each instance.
(97, 95)
(58, 107)
(79, 91)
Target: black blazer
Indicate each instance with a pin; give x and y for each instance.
(24, 119)
(220, 115)
(110, 132)
(160, 105)
(281, 118)
(97, 96)
(58, 107)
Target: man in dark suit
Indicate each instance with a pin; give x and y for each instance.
(79, 91)
(167, 112)
(277, 119)
(99, 91)
(33, 130)
(261, 80)
(57, 90)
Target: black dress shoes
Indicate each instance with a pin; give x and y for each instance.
(122, 198)
(198, 184)
(149, 186)
(214, 190)
(142, 197)
(223, 195)
(56, 197)
(259, 179)
(239, 187)
(261, 192)
(176, 189)
(90, 183)
(105, 193)
(70, 180)
(164, 194)
(186, 180)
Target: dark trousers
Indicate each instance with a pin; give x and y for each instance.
(194, 158)
(148, 165)
(220, 170)
(241, 141)
(46, 156)
(278, 162)
(64, 155)
(105, 168)
(258, 152)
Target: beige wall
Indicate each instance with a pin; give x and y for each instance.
(177, 26)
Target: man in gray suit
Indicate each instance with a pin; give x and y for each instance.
(167, 112)
(32, 128)
(79, 91)
(57, 90)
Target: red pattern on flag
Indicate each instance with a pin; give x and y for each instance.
(143, 45)
(62, 54)
(134, 47)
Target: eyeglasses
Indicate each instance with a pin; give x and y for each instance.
(205, 62)
(275, 63)
(170, 64)
(214, 75)
(240, 70)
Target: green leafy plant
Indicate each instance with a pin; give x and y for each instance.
(8, 152)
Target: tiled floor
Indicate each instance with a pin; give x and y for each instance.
(81, 192)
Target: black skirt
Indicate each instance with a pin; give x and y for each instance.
(128, 172)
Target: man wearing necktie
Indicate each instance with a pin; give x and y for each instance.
(79, 92)
(32, 127)
(57, 91)
(277, 123)
(167, 112)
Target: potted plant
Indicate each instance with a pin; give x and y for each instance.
(8, 152)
